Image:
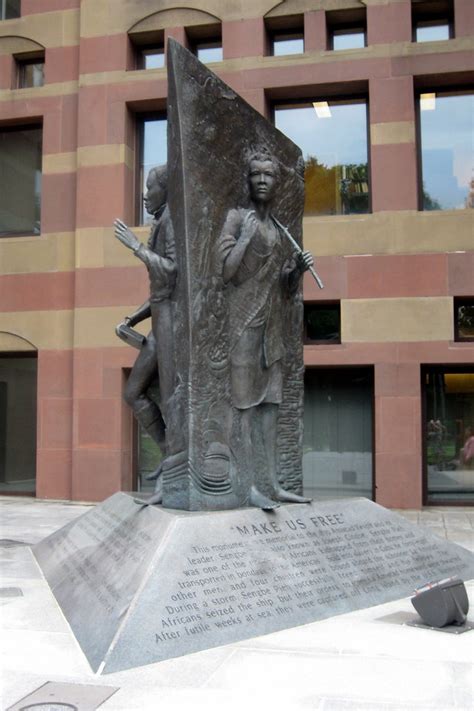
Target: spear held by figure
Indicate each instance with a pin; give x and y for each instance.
(295, 244)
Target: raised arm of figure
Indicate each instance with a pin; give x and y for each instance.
(125, 235)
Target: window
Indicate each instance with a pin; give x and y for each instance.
(208, 52)
(332, 135)
(285, 35)
(338, 432)
(464, 319)
(9, 9)
(290, 43)
(346, 29)
(447, 159)
(152, 151)
(322, 322)
(30, 72)
(148, 49)
(20, 196)
(206, 43)
(150, 57)
(448, 433)
(432, 20)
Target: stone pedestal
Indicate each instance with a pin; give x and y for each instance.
(139, 584)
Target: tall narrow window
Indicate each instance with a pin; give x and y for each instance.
(20, 195)
(18, 424)
(447, 153)
(338, 426)
(333, 137)
(9, 9)
(449, 433)
(152, 152)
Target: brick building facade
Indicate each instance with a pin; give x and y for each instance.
(395, 273)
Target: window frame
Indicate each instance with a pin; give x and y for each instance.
(199, 35)
(24, 60)
(459, 301)
(140, 120)
(447, 89)
(289, 26)
(425, 369)
(336, 97)
(369, 369)
(3, 5)
(286, 36)
(348, 20)
(435, 11)
(31, 125)
(143, 50)
(307, 341)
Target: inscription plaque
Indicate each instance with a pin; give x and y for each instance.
(162, 583)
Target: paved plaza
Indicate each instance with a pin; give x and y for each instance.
(364, 660)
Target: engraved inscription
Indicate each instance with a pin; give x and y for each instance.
(296, 568)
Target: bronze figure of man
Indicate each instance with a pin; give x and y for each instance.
(156, 357)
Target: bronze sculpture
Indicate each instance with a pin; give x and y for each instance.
(156, 357)
(259, 277)
(225, 301)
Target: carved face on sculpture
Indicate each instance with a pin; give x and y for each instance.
(156, 190)
(262, 179)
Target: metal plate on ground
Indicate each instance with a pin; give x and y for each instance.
(449, 629)
(413, 620)
(58, 696)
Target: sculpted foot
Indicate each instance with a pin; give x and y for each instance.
(155, 474)
(290, 497)
(260, 501)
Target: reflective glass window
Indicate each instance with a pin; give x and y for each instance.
(337, 445)
(208, 52)
(30, 73)
(153, 152)
(20, 194)
(333, 138)
(431, 31)
(447, 153)
(283, 44)
(449, 434)
(348, 39)
(152, 58)
(9, 9)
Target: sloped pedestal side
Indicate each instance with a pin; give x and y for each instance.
(139, 584)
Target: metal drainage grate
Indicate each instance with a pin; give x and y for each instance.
(58, 696)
